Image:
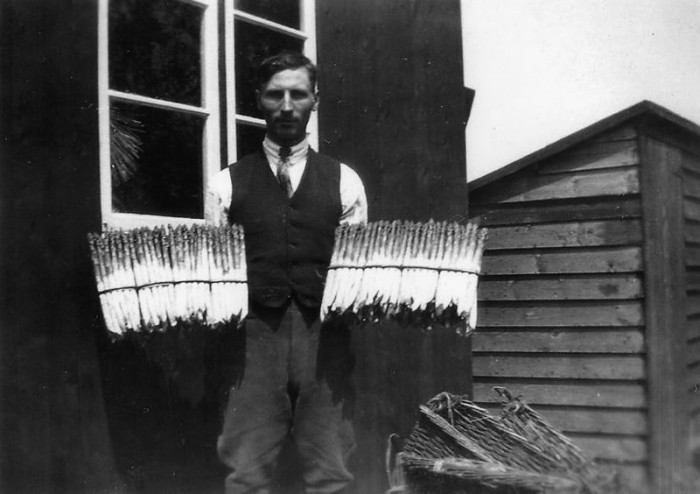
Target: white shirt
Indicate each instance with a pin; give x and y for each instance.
(352, 192)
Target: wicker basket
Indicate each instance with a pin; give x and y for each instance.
(457, 446)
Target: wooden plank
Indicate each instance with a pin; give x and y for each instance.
(691, 379)
(548, 211)
(577, 234)
(615, 182)
(691, 185)
(662, 205)
(593, 260)
(562, 314)
(607, 287)
(612, 448)
(631, 478)
(693, 355)
(692, 401)
(623, 133)
(606, 367)
(586, 420)
(591, 421)
(691, 209)
(564, 341)
(695, 431)
(692, 305)
(692, 279)
(692, 329)
(548, 393)
(593, 157)
(692, 235)
(692, 257)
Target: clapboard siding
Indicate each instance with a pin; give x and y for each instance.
(594, 156)
(563, 261)
(581, 287)
(565, 340)
(692, 329)
(588, 420)
(691, 183)
(692, 233)
(562, 314)
(632, 478)
(557, 182)
(692, 277)
(692, 260)
(590, 183)
(557, 211)
(560, 394)
(558, 366)
(694, 353)
(618, 447)
(574, 234)
(693, 305)
(595, 421)
(692, 209)
(589, 298)
(561, 317)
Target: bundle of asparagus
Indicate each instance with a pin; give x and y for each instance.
(426, 273)
(152, 279)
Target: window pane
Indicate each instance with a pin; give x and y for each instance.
(156, 161)
(248, 138)
(285, 12)
(253, 45)
(154, 49)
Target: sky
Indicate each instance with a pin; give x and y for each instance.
(544, 69)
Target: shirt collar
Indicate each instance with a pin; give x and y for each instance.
(272, 150)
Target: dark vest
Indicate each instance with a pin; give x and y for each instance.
(289, 242)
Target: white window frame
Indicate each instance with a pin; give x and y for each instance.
(209, 110)
(307, 33)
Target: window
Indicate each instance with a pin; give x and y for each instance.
(256, 29)
(166, 73)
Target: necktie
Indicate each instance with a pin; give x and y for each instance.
(283, 171)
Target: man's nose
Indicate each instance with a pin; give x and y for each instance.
(287, 102)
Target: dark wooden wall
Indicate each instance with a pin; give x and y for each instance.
(52, 422)
(562, 297)
(80, 415)
(393, 105)
(393, 102)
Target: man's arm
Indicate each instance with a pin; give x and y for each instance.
(352, 197)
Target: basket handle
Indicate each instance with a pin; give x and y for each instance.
(460, 438)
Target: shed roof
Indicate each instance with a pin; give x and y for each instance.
(642, 109)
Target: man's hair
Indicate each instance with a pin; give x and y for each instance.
(282, 61)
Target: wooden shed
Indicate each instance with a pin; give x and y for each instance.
(590, 295)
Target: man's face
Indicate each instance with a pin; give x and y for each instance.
(287, 101)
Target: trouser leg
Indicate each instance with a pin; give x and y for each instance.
(258, 414)
(322, 428)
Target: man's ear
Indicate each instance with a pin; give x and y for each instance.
(257, 99)
(316, 99)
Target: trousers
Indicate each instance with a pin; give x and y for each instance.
(295, 385)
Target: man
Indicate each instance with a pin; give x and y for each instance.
(289, 200)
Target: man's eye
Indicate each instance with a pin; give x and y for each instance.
(274, 95)
(300, 94)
